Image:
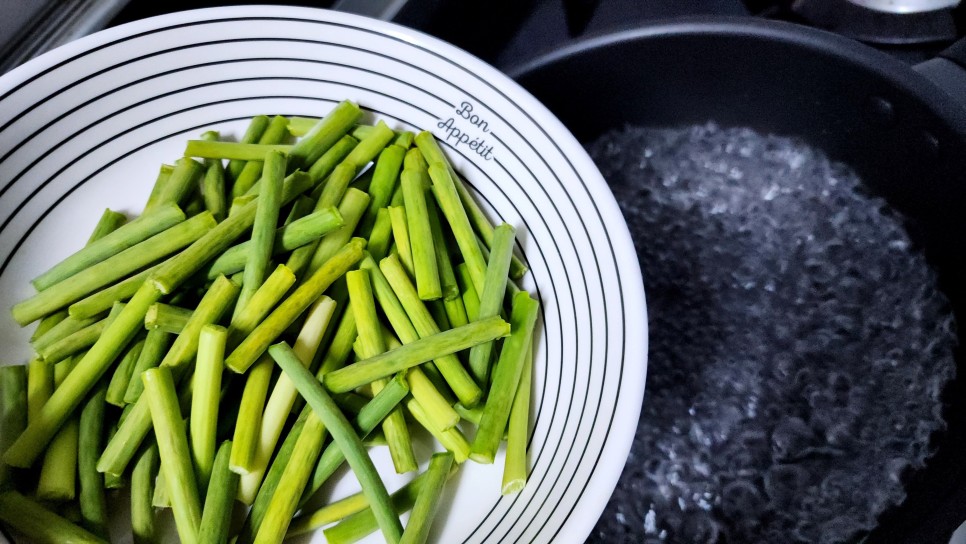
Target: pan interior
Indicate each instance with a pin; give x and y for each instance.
(787, 302)
(899, 134)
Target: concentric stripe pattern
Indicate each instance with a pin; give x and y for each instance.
(87, 126)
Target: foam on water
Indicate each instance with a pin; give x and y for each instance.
(798, 342)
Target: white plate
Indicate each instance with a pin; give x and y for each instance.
(86, 126)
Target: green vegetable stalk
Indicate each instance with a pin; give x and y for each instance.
(216, 516)
(506, 379)
(291, 308)
(332, 157)
(370, 145)
(491, 299)
(425, 268)
(369, 418)
(371, 344)
(274, 476)
(261, 303)
(345, 435)
(156, 346)
(173, 449)
(93, 500)
(39, 524)
(182, 266)
(154, 199)
(120, 239)
(447, 276)
(40, 385)
(400, 235)
(124, 444)
(80, 340)
(13, 413)
(249, 420)
(330, 513)
(274, 134)
(64, 328)
(283, 396)
(428, 499)
(459, 380)
(326, 132)
(383, 184)
(112, 269)
(101, 301)
(182, 182)
(515, 465)
(58, 473)
(143, 524)
(263, 229)
(205, 399)
(451, 439)
(256, 127)
(206, 149)
(351, 208)
(299, 233)
(330, 194)
(122, 373)
(422, 350)
(363, 523)
(213, 184)
(381, 234)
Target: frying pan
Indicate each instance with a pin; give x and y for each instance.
(901, 128)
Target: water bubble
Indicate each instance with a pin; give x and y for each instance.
(798, 342)
(784, 483)
(790, 438)
(699, 529)
(741, 498)
(840, 435)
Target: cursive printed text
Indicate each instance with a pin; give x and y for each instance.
(466, 112)
(457, 136)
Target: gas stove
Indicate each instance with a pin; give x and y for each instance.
(509, 32)
(913, 30)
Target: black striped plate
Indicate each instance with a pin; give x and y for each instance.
(85, 127)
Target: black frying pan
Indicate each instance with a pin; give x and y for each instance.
(902, 129)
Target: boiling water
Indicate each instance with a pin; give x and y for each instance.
(798, 342)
